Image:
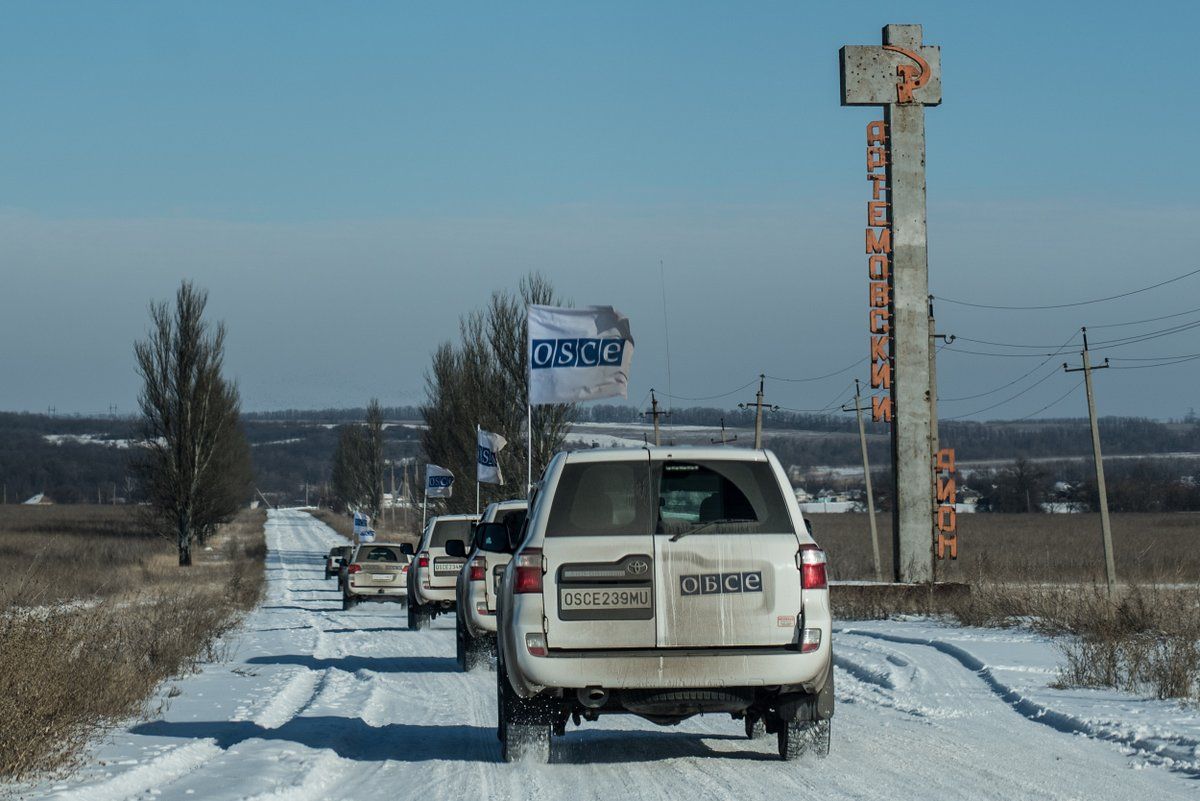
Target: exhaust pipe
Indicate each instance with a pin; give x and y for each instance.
(593, 697)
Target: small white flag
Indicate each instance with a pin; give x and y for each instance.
(578, 354)
(439, 482)
(487, 467)
(362, 522)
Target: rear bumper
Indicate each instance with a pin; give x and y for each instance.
(477, 624)
(397, 592)
(671, 669)
(434, 595)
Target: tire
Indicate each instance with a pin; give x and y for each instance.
(347, 602)
(522, 726)
(756, 728)
(464, 648)
(418, 619)
(800, 737)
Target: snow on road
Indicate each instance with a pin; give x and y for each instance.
(316, 703)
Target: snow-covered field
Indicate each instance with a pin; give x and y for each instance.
(316, 703)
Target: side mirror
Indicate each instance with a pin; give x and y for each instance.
(407, 549)
(456, 548)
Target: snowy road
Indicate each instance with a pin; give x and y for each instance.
(317, 703)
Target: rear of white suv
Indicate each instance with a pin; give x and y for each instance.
(665, 582)
(491, 549)
(431, 580)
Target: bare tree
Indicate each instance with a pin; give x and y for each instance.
(195, 468)
(358, 464)
(482, 380)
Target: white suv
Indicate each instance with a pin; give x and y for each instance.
(434, 573)
(665, 582)
(491, 549)
(376, 571)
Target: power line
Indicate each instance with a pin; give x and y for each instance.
(1016, 380)
(714, 397)
(1052, 403)
(1040, 381)
(1148, 319)
(1069, 305)
(1160, 364)
(818, 377)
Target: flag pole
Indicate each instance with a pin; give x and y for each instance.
(477, 469)
(528, 447)
(424, 502)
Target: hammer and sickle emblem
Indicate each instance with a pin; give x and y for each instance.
(912, 76)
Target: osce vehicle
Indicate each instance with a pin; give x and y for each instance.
(665, 582)
(432, 579)
(377, 571)
(491, 548)
(335, 558)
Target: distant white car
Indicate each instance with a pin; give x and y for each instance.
(665, 583)
(494, 539)
(377, 571)
(432, 578)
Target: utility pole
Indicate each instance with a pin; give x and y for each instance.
(758, 412)
(1110, 568)
(862, 440)
(392, 464)
(724, 439)
(655, 414)
(934, 439)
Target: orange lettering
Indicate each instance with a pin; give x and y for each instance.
(877, 268)
(879, 241)
(878, 185)
(877, 213)
(947, 520)
(881, 409)
(879, 349)
(944, 543)
(881, 375)
(879, 321)
(879, 293)
(944, 460)
(876, 132)
(945, 490)
(876, 158)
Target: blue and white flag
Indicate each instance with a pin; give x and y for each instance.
(578, 354)
(487, 467)
(439, 482)
(368, 535)
(362, 522)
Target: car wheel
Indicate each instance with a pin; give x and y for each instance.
(524, 733)
(756, 727)
(347, 602)
(418, 619)
(799, 737)
(462, 645)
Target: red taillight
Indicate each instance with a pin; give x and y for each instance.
(354, 569)
(527, 576)
(811, 563)
(423, 559)
(478, 566)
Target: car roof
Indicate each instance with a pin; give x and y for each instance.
(439, 518)
(707, 452)
(379, 545)
(514, 503)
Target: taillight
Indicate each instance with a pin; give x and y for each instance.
(535, 644)
(423, 559)
(478, 566)
(811, 563)
(528, 571)
(354, 569)
(810, 640)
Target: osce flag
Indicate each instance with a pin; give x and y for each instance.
(578, 354)
(487, 467)
(362, 522)
(439, 482)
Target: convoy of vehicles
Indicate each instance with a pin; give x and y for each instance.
(333, 561)
(662, 582)
(431, 581)
(491, 548)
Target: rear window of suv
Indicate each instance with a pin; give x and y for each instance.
(714, 496)
(378, 553)
(446, 530)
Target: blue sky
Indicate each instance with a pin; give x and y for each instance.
(347, 178)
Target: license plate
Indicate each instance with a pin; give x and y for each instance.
(604, 598)
(384, 576)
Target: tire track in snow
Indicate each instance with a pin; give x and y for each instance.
(1150, 749)
(148, 777)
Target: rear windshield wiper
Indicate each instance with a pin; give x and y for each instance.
(709, 524)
